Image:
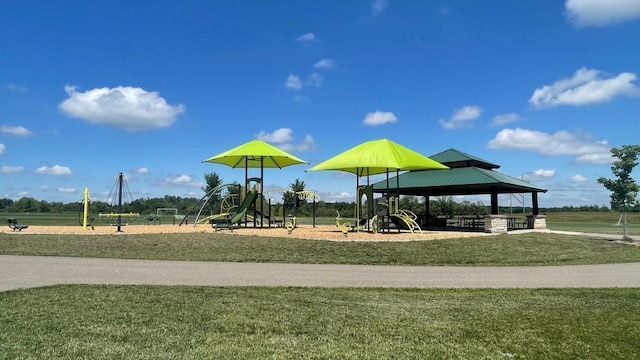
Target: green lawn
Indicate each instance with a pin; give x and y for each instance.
(146, 322)
(511, 249)
(153, 322)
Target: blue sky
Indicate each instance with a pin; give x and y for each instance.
(91, 89)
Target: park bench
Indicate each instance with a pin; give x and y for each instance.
(13, 224)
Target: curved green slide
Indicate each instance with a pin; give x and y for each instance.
(242, 210)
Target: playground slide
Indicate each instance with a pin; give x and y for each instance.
(404, 222)
(210, 218)
(242, 210)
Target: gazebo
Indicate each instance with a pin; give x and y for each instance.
(467, 175)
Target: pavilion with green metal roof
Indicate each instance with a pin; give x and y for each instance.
(467, 175)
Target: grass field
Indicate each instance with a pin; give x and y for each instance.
(144, 322)
(151, 322)
(511, 249)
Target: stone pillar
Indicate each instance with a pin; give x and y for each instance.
(536, 221)
(495, 224)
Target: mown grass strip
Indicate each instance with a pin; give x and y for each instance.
(521, 249)
(146, 322)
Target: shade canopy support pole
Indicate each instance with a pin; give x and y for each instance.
(494, 203)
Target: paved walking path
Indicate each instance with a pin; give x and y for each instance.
(596, 235)
(34, 271)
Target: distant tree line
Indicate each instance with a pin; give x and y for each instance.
(440, 206)
(142, 205)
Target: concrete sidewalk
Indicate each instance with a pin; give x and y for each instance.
(34, 271)
(614, 237)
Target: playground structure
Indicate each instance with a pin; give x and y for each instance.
(230, 205)
(307, 196)
(118, 192)
(232, 219)
(344, 226)
(223, 197)
(235, 205)
(112, 218)
(402, 219)
(291, 224)
(377, 214)
(223, 202)
(86, 220)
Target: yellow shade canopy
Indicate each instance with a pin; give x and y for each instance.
(378, 157)
(255, 154)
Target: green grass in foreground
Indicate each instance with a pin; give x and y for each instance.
(512, 249)
(145, 322)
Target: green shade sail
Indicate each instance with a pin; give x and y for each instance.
(255, 154)
(378, 157)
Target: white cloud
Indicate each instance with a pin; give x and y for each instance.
(539, 174)
(133, 109)
(504, 119)
(293, 82)
(577, 178)
(15, 130)
(582, 147)
(278, 136)
(141, 170)
(53, 170)
(11, 169)
(461, 118)
(380, 118)
(378, 6)
(601, 12)
(2, 147)
(17, 88)
(283, 139)
(342, 196)
(306, 38)
(325, 64)
(308, 143)
(180, 180)
(314, 79)
(67, 190)
(545, 173)
(586, 86)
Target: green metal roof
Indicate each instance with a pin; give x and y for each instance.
(456, 181)
(454, 158)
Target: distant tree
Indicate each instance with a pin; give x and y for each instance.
(443, 205)
(624, 189)
(291, 201)
(43, 206)
(213, 180)
(26, 204)
(411, 203)
(5, 204)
